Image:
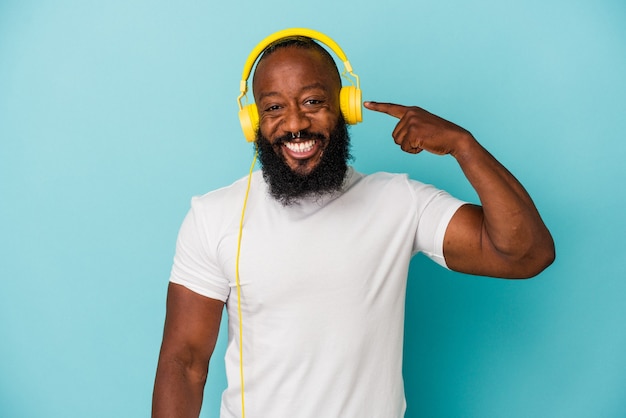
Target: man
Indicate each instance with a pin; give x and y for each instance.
(325, 253)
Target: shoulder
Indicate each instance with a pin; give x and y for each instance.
(383, 181)
(376, 179)
(398, 188)
(221, 207)
(231, 195)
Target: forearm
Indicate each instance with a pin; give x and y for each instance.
(191, 328)
(178, 390)
(511, 222)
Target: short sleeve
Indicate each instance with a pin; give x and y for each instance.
(436, 209)
(195, 263)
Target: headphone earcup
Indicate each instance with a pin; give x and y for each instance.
(249, 119)
(350, 102)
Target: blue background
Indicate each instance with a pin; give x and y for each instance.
(113, 114)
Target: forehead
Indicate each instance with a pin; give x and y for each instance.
(306, 65)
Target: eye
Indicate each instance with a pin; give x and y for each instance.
(272, 108)
(313, 102)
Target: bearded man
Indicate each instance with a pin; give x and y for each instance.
(325, 254)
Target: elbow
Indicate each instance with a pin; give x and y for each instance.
(538, 265)
(539, 257)
(546, 257)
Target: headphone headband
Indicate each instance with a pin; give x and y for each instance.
(285, 33)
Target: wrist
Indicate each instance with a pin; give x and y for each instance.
(466, 146)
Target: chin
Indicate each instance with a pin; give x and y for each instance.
(305, 167)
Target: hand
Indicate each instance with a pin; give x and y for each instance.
(420, 130)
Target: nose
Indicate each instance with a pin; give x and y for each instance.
(295, 120)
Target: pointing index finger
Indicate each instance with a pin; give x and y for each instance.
(392, 109)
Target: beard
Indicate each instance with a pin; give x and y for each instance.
(288, 186)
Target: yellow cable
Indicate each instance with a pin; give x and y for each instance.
(243, 211)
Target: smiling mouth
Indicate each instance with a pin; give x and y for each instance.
(300, 147)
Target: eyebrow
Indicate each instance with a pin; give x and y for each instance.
(316, 85)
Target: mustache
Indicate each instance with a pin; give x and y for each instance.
(304, 135)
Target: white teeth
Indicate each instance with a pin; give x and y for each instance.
(304, 146)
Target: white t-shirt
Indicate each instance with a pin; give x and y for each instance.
(323, 289)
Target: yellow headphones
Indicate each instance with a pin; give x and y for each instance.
(349, 96)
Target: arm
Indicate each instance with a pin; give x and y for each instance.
(505, 237)
(191, 327)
